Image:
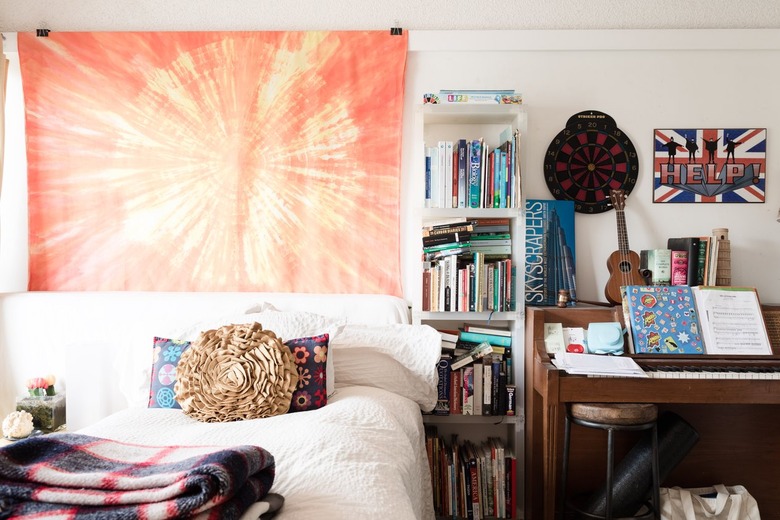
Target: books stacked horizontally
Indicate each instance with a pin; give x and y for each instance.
(475, 372)
(467, 266)
(549, 250)
(471, 480)
(470, 173)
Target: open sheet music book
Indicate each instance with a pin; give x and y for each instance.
(732, 321)
(679, 319)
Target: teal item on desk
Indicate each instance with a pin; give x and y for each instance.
(605, 338)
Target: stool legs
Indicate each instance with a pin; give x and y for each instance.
(610, 469)
(561, 502)
(656, 475)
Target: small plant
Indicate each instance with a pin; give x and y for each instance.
(41, 386)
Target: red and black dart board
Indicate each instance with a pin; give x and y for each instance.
(588, 159)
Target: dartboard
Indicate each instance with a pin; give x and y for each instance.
(588, 159)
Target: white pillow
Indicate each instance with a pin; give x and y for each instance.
(286, 325)
(398, 358)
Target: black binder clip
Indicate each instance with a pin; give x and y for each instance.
(396, 31)
(42, 33)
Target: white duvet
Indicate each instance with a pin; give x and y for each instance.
(360, 457)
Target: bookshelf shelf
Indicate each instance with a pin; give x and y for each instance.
(491, 124)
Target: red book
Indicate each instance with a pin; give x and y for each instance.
(679, 268)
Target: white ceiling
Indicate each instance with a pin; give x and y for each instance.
(168, 15)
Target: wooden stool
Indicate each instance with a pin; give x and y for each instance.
(612, 417)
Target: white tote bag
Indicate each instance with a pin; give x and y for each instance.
(718, 503)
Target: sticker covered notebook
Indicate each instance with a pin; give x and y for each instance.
(663, 319)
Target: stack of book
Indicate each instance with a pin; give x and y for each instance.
(464, 272)
(475, 377)
(468, 173)
(471, 481)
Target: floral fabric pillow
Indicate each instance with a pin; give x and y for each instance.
(166, 355)
(311, 359)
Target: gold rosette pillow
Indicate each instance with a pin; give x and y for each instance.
(236, 372)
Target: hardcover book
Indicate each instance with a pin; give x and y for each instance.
(550, 263)
(663, 319)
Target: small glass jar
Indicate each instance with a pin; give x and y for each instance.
(48, 411)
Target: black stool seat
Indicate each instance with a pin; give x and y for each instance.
(612, 417)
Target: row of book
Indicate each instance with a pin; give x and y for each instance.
(468, 173)
(475, 372)
(467, 266)
(684, 261)
(471, 481)
(550, 264)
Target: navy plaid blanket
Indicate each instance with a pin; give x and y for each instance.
(73, 476)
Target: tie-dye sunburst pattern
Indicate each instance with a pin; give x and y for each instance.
(265, 161)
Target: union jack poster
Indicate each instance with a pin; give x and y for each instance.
(709, 165)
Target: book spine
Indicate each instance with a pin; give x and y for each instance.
(493, 339)
(475, 166)
(468, 390)
(511, 392)
(443, 395)
(463, 165)
(456, 392)
(679, 274)
(487, 386)
(662, 266)
(427, 177)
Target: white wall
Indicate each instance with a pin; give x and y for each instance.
(645, 79)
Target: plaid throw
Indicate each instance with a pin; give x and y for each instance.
(73, 476)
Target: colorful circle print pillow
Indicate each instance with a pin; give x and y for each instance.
(165, 359)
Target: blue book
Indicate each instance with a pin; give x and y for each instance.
(478, 337)
(475, 172)
(663, 319)
(443, 389)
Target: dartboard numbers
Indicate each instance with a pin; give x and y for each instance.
(587, 160)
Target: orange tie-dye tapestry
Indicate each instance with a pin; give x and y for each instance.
(214, 161)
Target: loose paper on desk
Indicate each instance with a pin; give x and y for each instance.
(731, 321)
(598, 365)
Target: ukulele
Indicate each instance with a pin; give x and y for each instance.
(623, 264)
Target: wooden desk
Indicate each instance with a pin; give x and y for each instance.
(738, 420)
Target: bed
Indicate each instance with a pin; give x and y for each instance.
(362, 455)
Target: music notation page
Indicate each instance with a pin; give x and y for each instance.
(731, 320)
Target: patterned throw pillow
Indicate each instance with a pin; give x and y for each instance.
(166, 356)
(311, 358)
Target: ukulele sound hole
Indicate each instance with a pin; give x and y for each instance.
(624, 267)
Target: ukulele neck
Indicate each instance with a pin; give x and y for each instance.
(621, 231)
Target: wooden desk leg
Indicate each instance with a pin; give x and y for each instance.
(551, 438)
